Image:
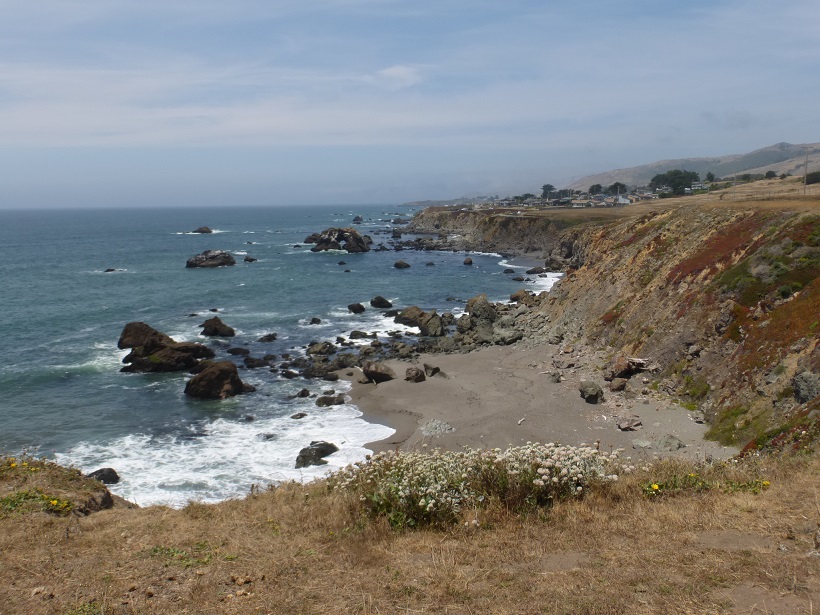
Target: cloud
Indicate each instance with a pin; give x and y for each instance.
(395, 78)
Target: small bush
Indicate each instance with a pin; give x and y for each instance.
(419, 488)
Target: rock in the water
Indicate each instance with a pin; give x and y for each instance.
(153, 351)
(214, 327)
(211, 258)
(401, 265)
(240, 352)
(108, 476)
(312, 455)
(414, 374)
(591, 391)
(377, 372)
(218, 380)
(380, 302)
(203, 230)
(268, 337)
(298, 415)
(356, 308)
(348, 239)
(468, 261)
(325, 401)
(536, 270)
(249, 259)
(315, 321)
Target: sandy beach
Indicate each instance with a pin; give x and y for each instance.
(501, 396)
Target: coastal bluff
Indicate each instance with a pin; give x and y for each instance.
(721, 297)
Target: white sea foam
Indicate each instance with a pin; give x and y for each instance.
(224, 458)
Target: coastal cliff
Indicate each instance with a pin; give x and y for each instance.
(721, 299)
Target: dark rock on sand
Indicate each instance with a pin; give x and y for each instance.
(325, 401)
(591, 391)
(312, 455)
(218, 380)
(211, 258)
(414, 374)
(377, 372)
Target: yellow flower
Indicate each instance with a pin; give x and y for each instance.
(693, 475)
(655, 487)
(765, 483)
(54, 502)
(13, 465)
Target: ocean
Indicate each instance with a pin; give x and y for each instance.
(63, 397)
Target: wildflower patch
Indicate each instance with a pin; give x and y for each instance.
(413, 489)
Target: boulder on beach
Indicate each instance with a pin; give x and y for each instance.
(214, 327)
(219, 380)
(591, 391)
(414, 374)
(211, 258)
(429, 323)
(153, 351)
(377, 372)
(313, 455)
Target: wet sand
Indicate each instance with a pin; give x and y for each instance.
(501, 396)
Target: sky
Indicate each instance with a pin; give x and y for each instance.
(160, 103)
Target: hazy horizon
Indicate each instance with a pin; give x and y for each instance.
(134, 104)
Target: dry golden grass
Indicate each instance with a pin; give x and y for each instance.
(300, 549)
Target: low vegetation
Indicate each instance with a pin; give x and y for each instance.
(670, 537)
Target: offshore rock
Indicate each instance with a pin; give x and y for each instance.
(214, 327)
(218, 380)
(153, 351)
(203, 230)
(211, 258)
(312, 455)
(348, 239)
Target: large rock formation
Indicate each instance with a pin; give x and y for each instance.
(211, 258)
(218, 380)
(153, 351)
(348, 239)
(429, 323)
(214, 327)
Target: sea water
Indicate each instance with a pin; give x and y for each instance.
(62, 395)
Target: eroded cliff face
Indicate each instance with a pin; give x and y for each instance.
(724, 300)
(507, 232)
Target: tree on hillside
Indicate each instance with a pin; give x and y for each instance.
(770, 174)
(710, 177)
(676, 179)
(547, 190)
(523, 197)
(617, 188)
(595, 189)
